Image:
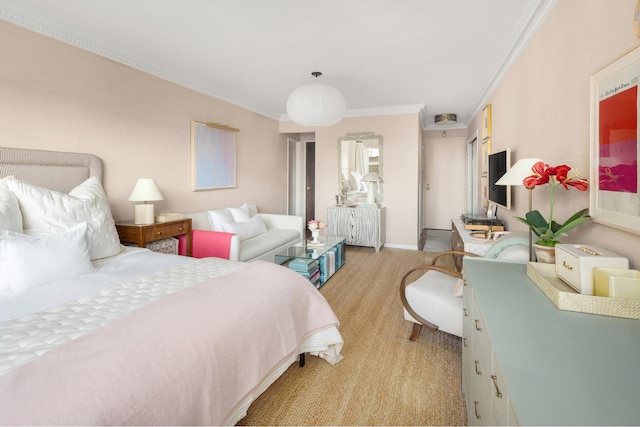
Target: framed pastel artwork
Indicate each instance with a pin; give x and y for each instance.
(213, 156)
(614, 199)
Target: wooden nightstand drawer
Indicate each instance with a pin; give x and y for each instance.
(166, 230)
(143, 234)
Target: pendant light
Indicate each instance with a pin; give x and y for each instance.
(316, 105)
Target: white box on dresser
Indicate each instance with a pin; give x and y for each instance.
(575, 264)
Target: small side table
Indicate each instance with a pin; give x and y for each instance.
(143, 234)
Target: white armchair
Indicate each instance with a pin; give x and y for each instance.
(434, 299)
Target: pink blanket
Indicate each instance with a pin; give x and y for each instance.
(186, 359)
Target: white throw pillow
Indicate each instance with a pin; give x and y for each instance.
(28, 261)
(219, 217)
(247, 229)
(47, 211)
(10, 215)
(240, 213)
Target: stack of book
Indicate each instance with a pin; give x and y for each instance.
(327, 264)
(308, 268)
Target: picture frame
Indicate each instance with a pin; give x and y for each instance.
(486, 150)
(615, 150)
(213, 156)
(486, 121)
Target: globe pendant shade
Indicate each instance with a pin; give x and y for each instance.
(316, 105)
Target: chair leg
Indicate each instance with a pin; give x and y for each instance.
(415, 331)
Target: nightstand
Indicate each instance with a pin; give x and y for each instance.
(143, 234)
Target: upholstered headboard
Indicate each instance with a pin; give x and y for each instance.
(55, 170)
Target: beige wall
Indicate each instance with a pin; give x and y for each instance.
(400, 139)
(57, 97)
(541, 107)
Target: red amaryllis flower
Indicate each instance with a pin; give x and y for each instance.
(550, 232)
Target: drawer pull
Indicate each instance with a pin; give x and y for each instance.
(475, 409)
(159, 233)
(495, 384)
(478, 328)
(180, 229)
(478, 371)
(464, 342)
(464, 310)
(465, 283)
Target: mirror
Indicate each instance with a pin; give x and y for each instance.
(360, 169)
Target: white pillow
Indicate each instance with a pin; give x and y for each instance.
(10, 216)
(47, 211)
(247, 229)
(28, 261)
(240, 213)
(219, 217)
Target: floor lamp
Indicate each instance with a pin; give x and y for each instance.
(514, 176)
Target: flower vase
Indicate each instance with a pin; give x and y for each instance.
(314, 236)
(545, 254)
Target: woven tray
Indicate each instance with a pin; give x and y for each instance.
(566, 298)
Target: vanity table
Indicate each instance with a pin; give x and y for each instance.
(358, 225)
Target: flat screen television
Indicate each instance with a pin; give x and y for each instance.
(498, 164)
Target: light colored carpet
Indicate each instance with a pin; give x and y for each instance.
(384, 379)
(437, 241)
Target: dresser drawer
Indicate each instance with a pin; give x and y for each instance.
(480, 336)
(499, 394)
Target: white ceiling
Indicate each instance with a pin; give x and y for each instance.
(385, 56)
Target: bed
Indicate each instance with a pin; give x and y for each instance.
(95, 333)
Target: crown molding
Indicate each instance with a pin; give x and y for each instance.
(531, 23)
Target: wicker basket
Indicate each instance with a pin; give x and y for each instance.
(566, 298)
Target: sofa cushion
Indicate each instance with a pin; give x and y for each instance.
(246, 229)
(240, 213)
(265, 242)
(220, 217)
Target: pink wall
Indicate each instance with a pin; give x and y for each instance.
(58, 97)
(541, 107)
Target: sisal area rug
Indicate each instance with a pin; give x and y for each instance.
(384, 379)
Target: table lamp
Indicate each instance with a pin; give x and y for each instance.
(372, 178)
(146, 190)
(514, 176)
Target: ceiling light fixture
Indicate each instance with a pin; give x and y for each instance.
(443, 119)
(316, 105)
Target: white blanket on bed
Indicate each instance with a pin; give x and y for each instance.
(189, 358)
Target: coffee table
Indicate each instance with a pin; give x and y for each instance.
(315, 262)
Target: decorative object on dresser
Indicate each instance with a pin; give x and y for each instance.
(616, 283)
(359, 226)
(144, 234)
(373, 179)
(168, 216)
(434, 298)
(524, 362)
(146, 190)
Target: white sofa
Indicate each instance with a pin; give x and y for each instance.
(245, 233)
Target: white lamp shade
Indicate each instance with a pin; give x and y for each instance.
(146, 190)
(518, 172)
(316, 105)
(372, 177)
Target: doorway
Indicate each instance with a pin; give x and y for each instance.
(301, 178)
